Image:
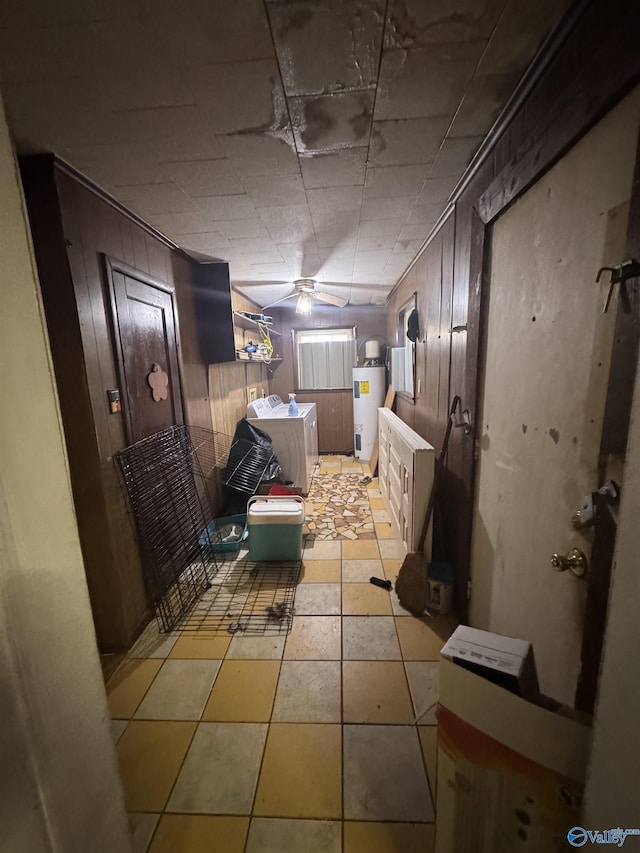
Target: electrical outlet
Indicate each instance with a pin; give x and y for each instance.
(253, 394)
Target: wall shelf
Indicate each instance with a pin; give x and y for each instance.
(255, 357)
(247, 323)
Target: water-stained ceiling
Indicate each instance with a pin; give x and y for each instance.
(292, 138)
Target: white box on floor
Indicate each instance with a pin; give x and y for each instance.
(506, 661)
(510, 773)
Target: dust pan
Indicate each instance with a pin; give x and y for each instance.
(411, 584)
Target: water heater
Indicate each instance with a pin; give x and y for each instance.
(368, 397)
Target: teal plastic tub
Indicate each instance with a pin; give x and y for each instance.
(210, 536)
(275, 528)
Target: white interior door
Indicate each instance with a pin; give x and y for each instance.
(547, 355)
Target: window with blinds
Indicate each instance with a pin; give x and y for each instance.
(324, 358)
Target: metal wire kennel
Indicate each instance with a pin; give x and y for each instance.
(173, 480)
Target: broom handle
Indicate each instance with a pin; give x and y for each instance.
(436, 474)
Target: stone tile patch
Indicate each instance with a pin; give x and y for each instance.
(341, 508)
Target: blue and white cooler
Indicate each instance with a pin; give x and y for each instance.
(275, 528)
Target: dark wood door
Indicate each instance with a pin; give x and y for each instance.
(145, 329)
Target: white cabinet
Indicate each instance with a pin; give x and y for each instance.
(405, 471)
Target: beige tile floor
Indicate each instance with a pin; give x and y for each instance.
(307, 742)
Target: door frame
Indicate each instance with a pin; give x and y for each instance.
(111, 266)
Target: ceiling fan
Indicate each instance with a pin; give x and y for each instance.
(306, 291)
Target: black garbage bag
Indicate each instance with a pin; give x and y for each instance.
(257, 462)
(251, 461)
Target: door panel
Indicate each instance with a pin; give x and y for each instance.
(547, 353)
(145, 328)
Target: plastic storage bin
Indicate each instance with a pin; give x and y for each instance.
(211, 535)
(275, 528)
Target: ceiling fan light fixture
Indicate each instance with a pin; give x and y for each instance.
(305, 301)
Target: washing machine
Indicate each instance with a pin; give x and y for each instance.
(295, 438)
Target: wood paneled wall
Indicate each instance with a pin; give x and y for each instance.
(72, 226)
(575, 90)
(334, 408)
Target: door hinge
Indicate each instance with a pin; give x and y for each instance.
(469, 590)
(476, 449)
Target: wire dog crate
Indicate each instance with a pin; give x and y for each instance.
(172, 478)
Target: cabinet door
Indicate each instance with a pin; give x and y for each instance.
(214, 315)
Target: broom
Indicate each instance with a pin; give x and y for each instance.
(411, 584)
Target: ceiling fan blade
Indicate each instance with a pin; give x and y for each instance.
(338, 301)
(278, 301)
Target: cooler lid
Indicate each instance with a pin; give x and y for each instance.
(275, 507)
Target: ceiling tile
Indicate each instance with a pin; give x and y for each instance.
(287, 215)
(290, 251)
(309, 266)
(274, 190)
(406, 141)
(184, 223)
(332, 238)
(47, 115)
(370, 260)
(339, 169)
(200, 32)
(255, 154)
(334, 199)
(267, 267)
(425, 82)
(397, 263)
(172, 134)
(243, 228)
(350, 35)
(325, 220)
(381, 228)
(291, 234)
(519, 33)
(142, 88)
(213, 241)
(206, 177)
(405, 245)
(436, 189)
(390, 181)
(257, 246)
(414, 23)
(370, 244)
(418, 231)
(155, 198)
(239, 96)
(227, 207)
(387, 208)
(482, 103)
(120, 164)
(338, 254)
(332, 122)
(426, 214)
(454, 156)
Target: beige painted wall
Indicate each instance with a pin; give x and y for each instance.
(612, 792)
(547, 354)
(59, 786)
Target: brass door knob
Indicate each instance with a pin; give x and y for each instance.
(575, 561)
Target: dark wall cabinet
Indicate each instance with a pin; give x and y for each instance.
(75, 226)
(214, 314)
